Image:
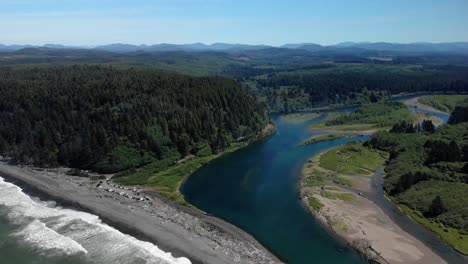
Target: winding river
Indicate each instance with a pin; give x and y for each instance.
(256, 188)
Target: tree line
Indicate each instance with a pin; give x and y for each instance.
(110, 119)
(428, 168)
(345, 85)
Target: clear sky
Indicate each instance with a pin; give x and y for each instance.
(95, 22)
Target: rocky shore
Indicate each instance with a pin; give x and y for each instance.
(144, 214)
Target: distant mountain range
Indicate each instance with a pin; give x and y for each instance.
(344, 47)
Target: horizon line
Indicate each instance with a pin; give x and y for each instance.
(231, 43)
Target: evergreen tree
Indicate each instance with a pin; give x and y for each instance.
(107, 119)
(437, 207)
(459, 114)
(427, 126)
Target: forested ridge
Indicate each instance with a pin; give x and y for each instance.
(110, 119)
(288, 80)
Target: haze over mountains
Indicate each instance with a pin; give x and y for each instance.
(346, 47)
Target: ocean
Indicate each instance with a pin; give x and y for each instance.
(33, 231)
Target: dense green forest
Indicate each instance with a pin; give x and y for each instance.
(428, 172)
(109, 119)
(353, 84)
(287, 80)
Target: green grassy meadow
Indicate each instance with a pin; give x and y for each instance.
(353, 158)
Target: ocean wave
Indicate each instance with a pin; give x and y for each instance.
(38, 235)
(53, 229)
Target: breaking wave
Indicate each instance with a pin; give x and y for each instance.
(55, 231)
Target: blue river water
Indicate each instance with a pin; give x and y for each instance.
(257, 189)
(440, 115)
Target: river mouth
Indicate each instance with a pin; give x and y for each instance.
(256, 188)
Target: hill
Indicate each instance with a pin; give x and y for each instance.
(107, 119)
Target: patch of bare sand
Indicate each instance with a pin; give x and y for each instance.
(363, 224)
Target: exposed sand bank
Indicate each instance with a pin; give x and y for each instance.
(415, 102)
(361, 222)
(148, 216)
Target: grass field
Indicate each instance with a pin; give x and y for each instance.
(378, 116)
(299, 117)
(353, 158)
(326, 137)
(445, 103)
(343, 196)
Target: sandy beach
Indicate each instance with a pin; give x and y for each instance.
(362, 223)
(146, 216)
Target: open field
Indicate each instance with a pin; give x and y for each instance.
(353, 158)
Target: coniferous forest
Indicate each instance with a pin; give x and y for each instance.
(106, 119)
(427, 170)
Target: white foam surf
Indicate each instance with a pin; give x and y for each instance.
(55, 230)
(37, 234)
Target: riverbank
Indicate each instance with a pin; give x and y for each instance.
(326, 137)
(414, 102)
(348, 212)
(146, 215)
(166, 176)
(297, 118)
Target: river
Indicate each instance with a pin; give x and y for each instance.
(256, 188)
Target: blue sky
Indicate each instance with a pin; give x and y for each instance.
(95, 22)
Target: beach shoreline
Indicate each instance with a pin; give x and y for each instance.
(363, 224)
(183, 232)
